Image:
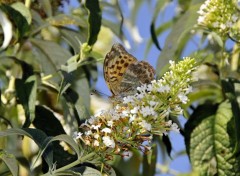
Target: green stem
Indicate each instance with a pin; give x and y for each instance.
(235, 58)
(79, 161)
(28, 3)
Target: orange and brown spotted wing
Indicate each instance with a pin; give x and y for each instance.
(115, 65)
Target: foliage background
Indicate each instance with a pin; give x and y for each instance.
(47, 76)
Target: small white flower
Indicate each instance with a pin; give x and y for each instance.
(201, 19)
(108, 141)
(143, 88)
(183, 98)
(169, 123)
(132, 117)
(77, 135)
(115, 116)
(92, 119)
(87, 133)
(134, 110)
(140, 95)
(146, 125)
(171, 62)
(166, 113)
(166, 88)
(87, 142)
(106, 130)
(152, 103)
(118, 106)
(153, 81)
(95, 143)
(95, 127)
(96, 136)
(128, 99)
(229, 24)
(234, 18)
(189, 89)
(110, 123)
(147, 110)
(149, 87)
(165, 133)
(215, 25)
(174, 127)
(222, 26)
(99, 113)
(125, 113)
(203, 6)
(178, 109)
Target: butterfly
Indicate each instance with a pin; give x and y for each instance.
(123, 73)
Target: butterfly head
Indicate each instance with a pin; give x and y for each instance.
(117, 50)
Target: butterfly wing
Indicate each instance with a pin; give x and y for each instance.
(136, 74)
(115, 65)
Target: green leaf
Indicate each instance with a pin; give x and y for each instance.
(63, 137)
(211, 139)
(230, 88)
(130, 166)
(39, 137)
(27, 69)
(46, 121)
(71, 65)
(206, 92)
(27, 94)
(10, 161)
(64, 20)
(94, 20)
(115, 27)
(46, 7)
(149, 161)
(20, 7)
(154, 36)
(51, 56)
(159, 30)
(179, 31)
(88, 171)
(184, 4)
(159, 6)
(7, 30)
(115, 24)
(73, 38)
(78, 100)
(18, 19)
(166, 141)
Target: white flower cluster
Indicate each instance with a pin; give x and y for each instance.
(133, 121)
(218, 15)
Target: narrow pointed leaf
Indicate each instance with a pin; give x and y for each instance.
(27, 97)
(51, 56)
(18, 19)
(39, 137)
(179, 30)
(10, 161)
(94, 20)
